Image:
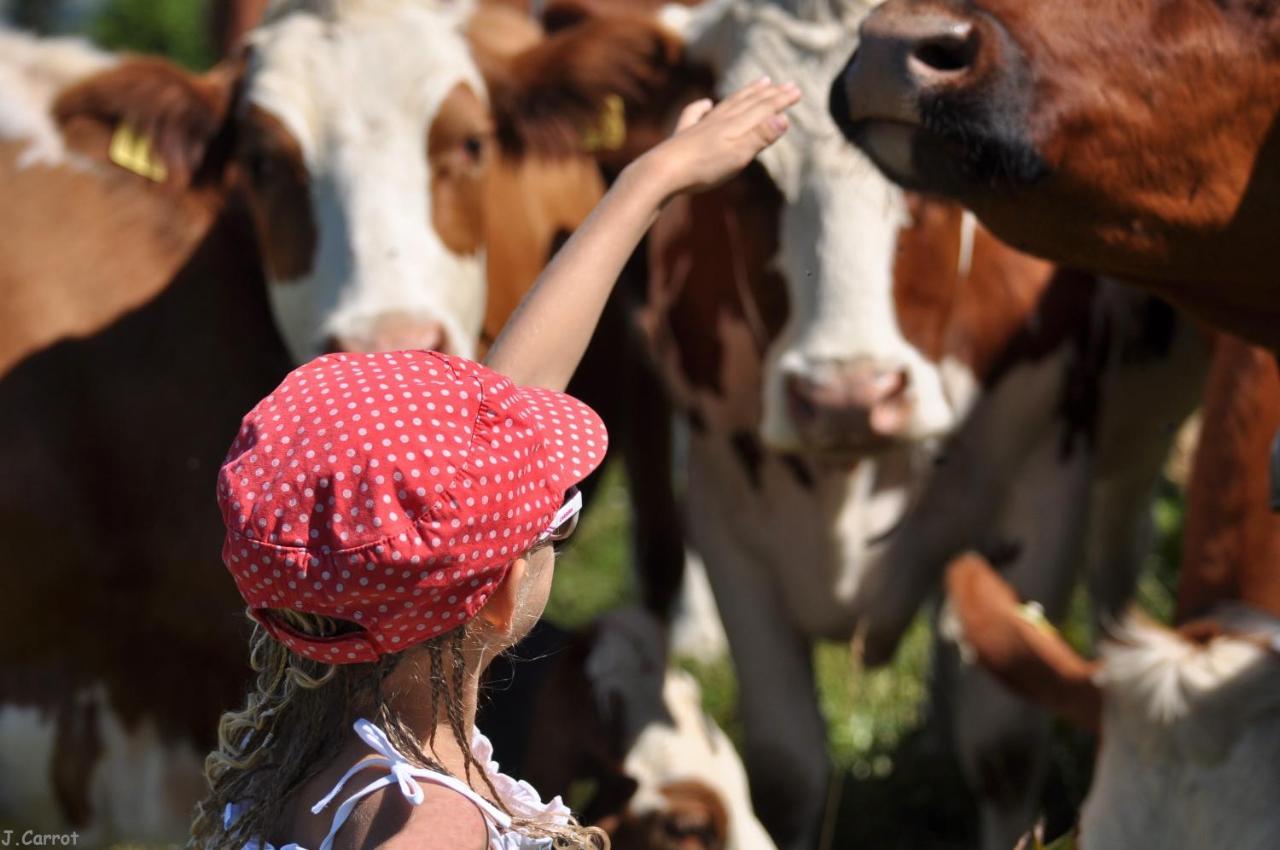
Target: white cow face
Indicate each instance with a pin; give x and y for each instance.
(841, 378)
(368, 149)
(361, 120)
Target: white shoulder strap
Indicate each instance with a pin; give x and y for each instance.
(399, 770)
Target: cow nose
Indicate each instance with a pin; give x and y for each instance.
(936, 49)
(395, 333)
(904, 52)
(852, 406)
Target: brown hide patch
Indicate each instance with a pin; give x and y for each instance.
(972, 319)
(695, 818)
(182, 116)
(1032, 660)
(459, 149)
(545, 98)
(279, 190)
(926, 273)
(86, 248)
(536, 204)
(711, 258)
(499, 29)
(1232, 538)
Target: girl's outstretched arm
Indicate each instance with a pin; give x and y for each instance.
(545, 338)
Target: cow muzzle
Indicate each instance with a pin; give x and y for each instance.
(395, 332)
(850, 409)
(934, 96)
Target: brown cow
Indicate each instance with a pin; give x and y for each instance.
(872, 385)
(173, 244)
(1138, 138)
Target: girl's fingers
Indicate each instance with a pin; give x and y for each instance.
(744, 95)
(767, 106)
(693, 113)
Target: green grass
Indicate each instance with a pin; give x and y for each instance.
(895, 781)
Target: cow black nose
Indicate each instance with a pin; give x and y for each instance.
(904, 53)
(948, 52)
(935, 47)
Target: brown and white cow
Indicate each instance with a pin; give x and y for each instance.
(846, 354)
(1190, 717)
(173, 243)
(1139, 138)
(601, 710)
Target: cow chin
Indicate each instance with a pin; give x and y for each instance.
(948, 154)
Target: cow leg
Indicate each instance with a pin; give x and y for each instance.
(785, 734)
(1002, 740)
(1154, 378)
(658, 530)
(964, 492)
(618, 381)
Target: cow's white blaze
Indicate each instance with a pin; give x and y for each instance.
(358, 85)
(1190, 753)
(840, 218)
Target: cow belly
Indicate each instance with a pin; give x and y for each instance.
(801, 530)
(75, 765)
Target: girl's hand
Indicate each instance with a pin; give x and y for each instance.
(546, 338)
(713, 143)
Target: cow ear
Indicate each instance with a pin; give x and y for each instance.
(1025, 653)
(155, 119)
(573, 91)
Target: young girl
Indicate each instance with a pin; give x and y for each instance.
(388, 523)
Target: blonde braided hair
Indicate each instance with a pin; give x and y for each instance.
(294, 721)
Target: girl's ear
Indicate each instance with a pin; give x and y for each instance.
(500, 610)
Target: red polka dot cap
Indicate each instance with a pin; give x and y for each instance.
(393, 490)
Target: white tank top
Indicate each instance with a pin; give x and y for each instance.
(520, 797)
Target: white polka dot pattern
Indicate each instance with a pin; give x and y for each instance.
(393, 490)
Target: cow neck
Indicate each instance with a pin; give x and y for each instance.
(136, 238)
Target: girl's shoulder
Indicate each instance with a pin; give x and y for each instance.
(444, 820)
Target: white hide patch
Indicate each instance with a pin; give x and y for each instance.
(692, 747)
(697, 631)
(33, 72)
(674, 740)
(358, 84)
(841, 217)
(1190, 753)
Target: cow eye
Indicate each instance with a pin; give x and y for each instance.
(473, 146)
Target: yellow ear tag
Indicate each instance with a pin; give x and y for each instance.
(610, 130)
(132, 152)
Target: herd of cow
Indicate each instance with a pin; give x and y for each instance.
(874, 392)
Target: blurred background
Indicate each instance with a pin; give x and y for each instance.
(882, 741)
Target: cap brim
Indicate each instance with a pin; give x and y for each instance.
(575, 437)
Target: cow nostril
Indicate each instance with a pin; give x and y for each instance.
(946, 53)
